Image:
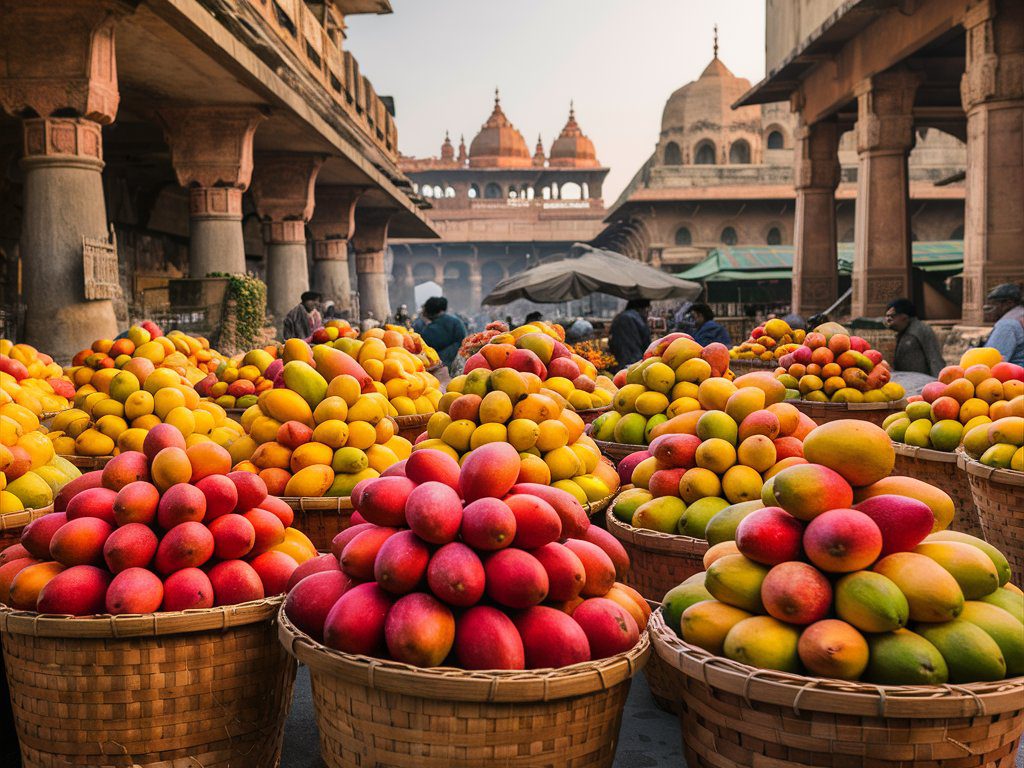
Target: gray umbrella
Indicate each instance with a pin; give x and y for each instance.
(585, 270)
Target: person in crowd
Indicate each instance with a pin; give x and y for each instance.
(707, 329)
(580, 330)
(303, 318)
(370, 321)
(917, 348)
(630, 335)
(815, 320)
(445, 332)
(795, 321)
(330, 311)
(402, 315)
(1003, 307)
(533, 316)
(421, 322)
(682, 320)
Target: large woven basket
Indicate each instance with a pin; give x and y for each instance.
(734, 715)
(999, 498)
(382, 714)
(13, 523)
(411, 427)
(876, 413)
(657, 561)
(235, 414)
(207, 687)
(617, 451)
(87, 463)
(321, 518)
(939, 468)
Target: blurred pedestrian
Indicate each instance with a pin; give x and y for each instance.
(533, 316)
(445, 332)
(303, 318)
(1003, 307)
(708, 330)
(917, 348)
(580, 330)
(370, 321)
(630, 335)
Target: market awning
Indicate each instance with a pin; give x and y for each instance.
(585, 270)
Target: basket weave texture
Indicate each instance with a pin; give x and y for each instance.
(735, 715)
(13, 523)
(822, 413)
(207, 687)
(939, 468)
(999, 497)
(618, 451)
(748, 364)
(372, 712)
(412, 426)
(321, 518)
(589, 414)
(88, 463)
(657, 561)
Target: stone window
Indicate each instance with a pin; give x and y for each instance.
(428, 191)
(673, 156)
(683, 236)
(774, 236)
(729, 236)
(512, 193)
(704, 154)
(957, 234)
(739, 152)
(449, 191)
(492, 191)
(474, 191)
(438, 192)
(572, 191)
(776, 140)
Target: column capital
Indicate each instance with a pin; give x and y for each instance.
(69, 140)
(215, 203)
(211, 146)
(816, 162)
(335, 212)
(330, 250)
(995, 53)
(60, 56)
(885, 104)
(282, 186)
(287, 231)
(371, 235)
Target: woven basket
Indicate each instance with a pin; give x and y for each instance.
(657, 561)
(822, 413)
(235, 414)
(999, 497)
(939, 468)
(595, 508)
(736, 715)
(411, 427)
(589, 414)
(321, 518)
(87, 463)
(746, 365)
(618, 451)
(13, 523)
(383, 714)
(207, 687)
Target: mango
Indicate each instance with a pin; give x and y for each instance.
(722, 527)
(1010, 601)
(998, 559)
(904, 658)
(808, 490)
(31, 490)
(940, 502)
(681, 597)
(973, 570)
(970, 654)
(283, 405)
(764, 643)
(1001, 627)
(932, 593)
(695, 519)
(858, 450)
(737, 580)
(871, 602)
(833, 648)
(630, 429)
(706, 624)
(660, 514)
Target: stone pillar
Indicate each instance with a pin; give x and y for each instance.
(211, 151)
(370, 241)
(992, 92)
(476, 281)
(885, 136)
(282, 190)
(60, 59)
(816, 176)
(333, 225)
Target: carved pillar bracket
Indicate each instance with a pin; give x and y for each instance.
(59, 56)
(211, 146)
(282, 188)
(215, 203)
(995, 58)
(885, 120)
(330, 250)
(816, 176)
(64, 141)
(335, 215)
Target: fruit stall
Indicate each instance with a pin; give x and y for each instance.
(805, 565)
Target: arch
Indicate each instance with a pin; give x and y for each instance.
(449, 191)
(739, 152)
(492, 191)
(704, 153)
(958, 233)
(530, 193)
(474, 192)
(586, 191)
(775, 139)
(455, 271)
(423, 272)
(438, 192)
(512, 194)
(491, 273)
(729, 236)
(522, 191)
(428, 191)
(545, 193)
(572, 191)
(673, 155)
(415, 187)
(684, 236)
(774, 236)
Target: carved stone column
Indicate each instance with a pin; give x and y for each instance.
(211, 151)
(59, 58)
(283, 192)
(816, 176)
(333, 225)
(885, 136)
(370, 241)
(992, 92)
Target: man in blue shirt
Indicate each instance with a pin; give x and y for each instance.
(1003, 307)
(445, 332)
(630, 335)
(708, 330)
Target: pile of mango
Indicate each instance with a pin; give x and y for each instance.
(320, 433)
(662, 386)
(847, 572)
(834, 366)
(966, 396)
(769, 341)
(31, 473)
(508, 406)
(115, 411)
(237, 381)
(539, 349)
(703, 462)
(31, 378)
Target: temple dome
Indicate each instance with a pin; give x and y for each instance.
(572, 149)
(708, 100)
(499, 144)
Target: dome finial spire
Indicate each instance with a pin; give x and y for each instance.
(497, 96)
(572, 108)
(716, 41)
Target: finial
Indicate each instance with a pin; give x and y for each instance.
(572, 108)
(497, 96)
(716, 41)
(446, 138)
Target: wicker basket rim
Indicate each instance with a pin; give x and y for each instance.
(891, 405)
(593, 507)
(317, 503)
(10, 521)
(412, 419)
(617, 446)
(138, 625)
(995, 474)
(809, 694)
(924, 454)
(51, 414)
(453, 684)
(599, 409)
(656, 540)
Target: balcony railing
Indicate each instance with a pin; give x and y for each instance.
(336, 70)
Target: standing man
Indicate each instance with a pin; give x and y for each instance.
(917, 348)
(707, 330)
(630, 335)
(304, 318)
(445, 332)
(1003, 307)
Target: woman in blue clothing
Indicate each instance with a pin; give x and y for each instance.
(708, 330)
(445, 332)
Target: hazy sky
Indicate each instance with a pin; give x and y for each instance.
(619, 59)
